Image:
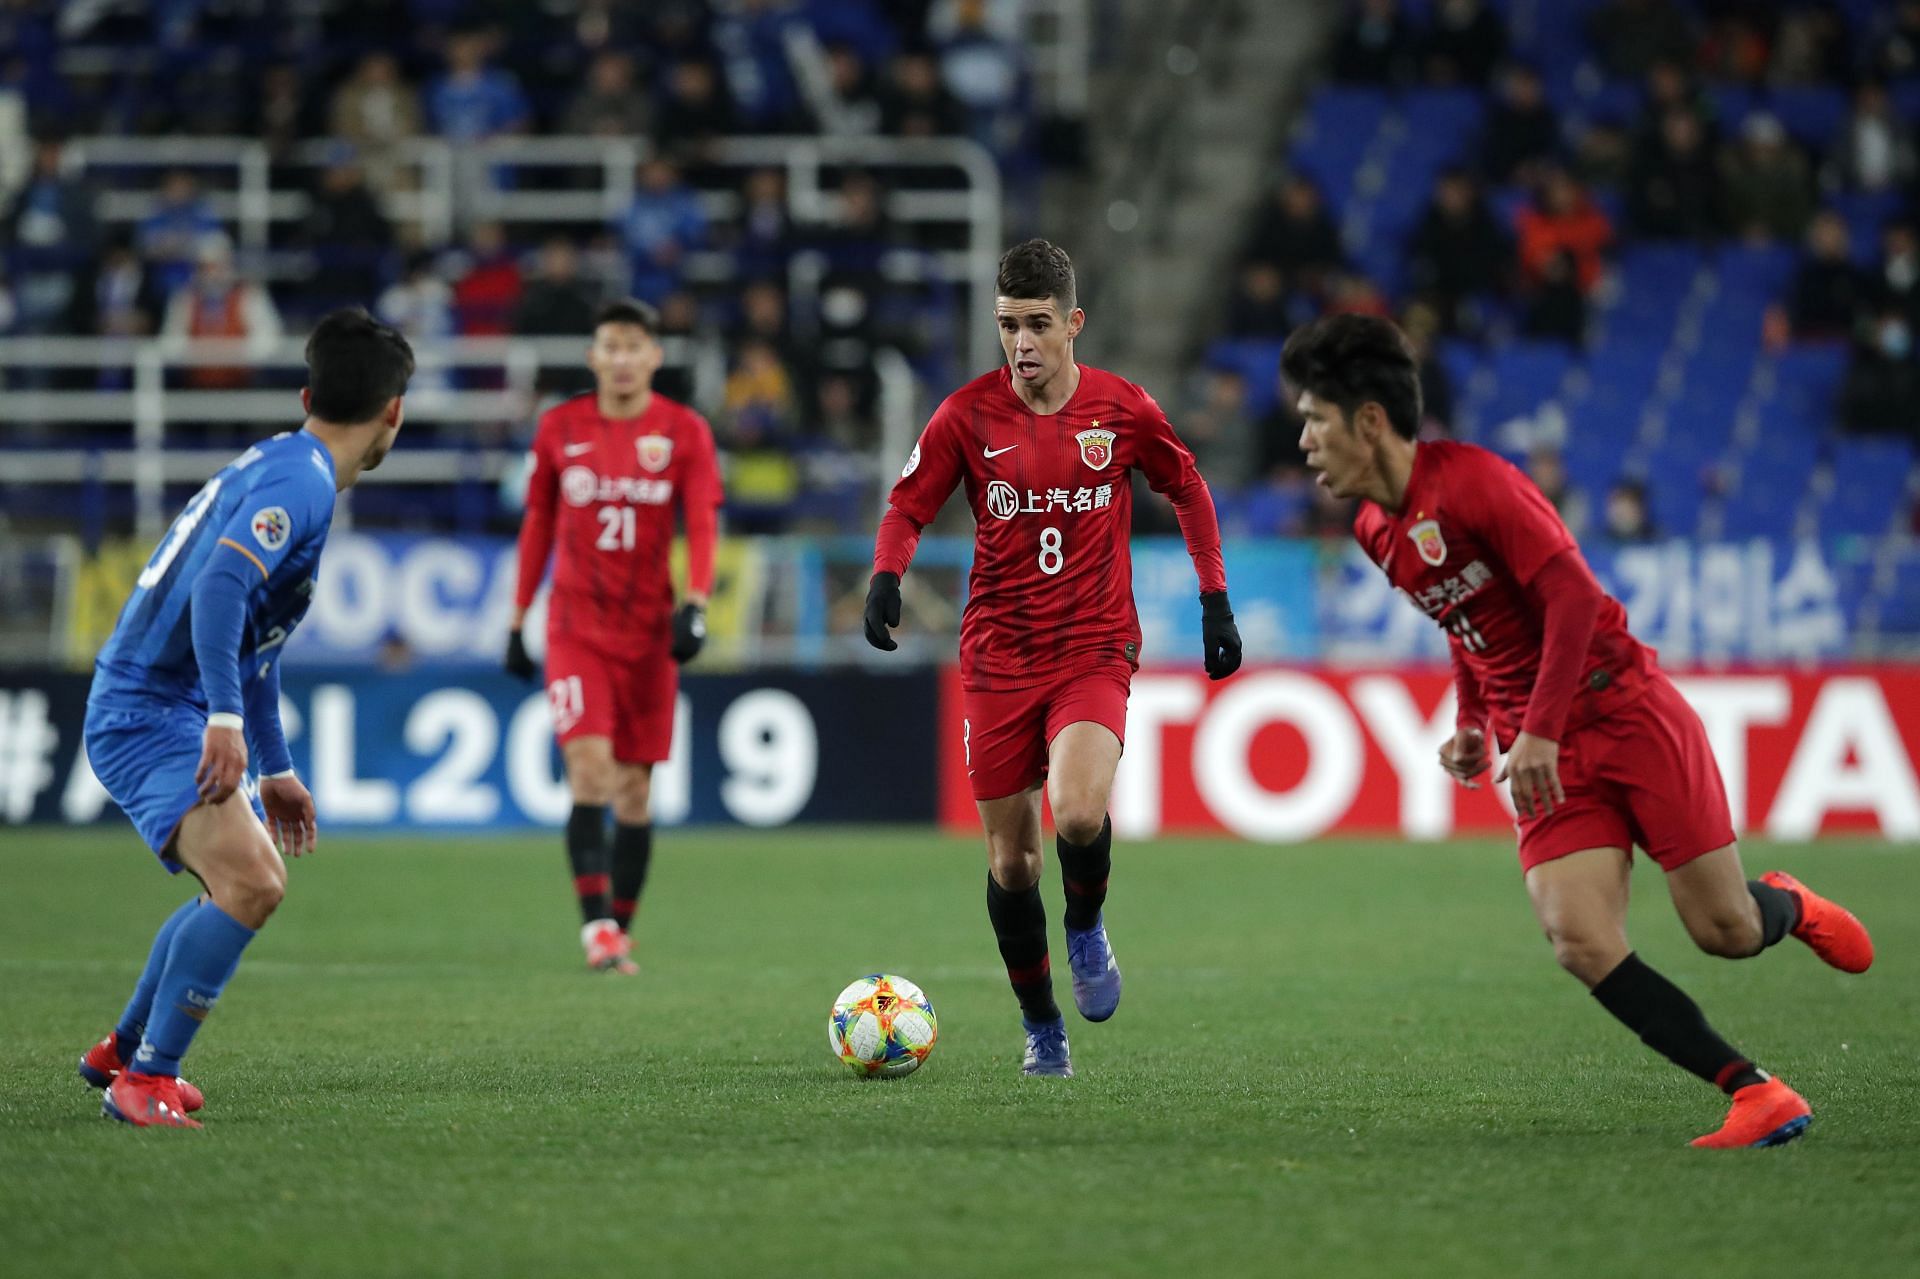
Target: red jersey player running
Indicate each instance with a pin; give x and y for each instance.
(1602, 753)
(1050, 639)
(609, 471)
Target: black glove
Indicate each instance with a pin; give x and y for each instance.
(1219, 637)
(883, 610)
(518, 663)
(689, 631)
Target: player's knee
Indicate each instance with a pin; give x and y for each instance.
(1015, 869)
(632, 802)
(1586, 954)
(591, 784)
(1079, 823)
(252, 893)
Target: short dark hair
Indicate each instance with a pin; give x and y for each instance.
(1037, 269)
(629, 311)
(355, 364)
(1351, 360)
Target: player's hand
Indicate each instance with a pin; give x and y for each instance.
(223, 762)
(518, 663)
(1465, 756)
(289, 815)
(1219, 637)
(689, 631)
(883, 611)
(1533, 765)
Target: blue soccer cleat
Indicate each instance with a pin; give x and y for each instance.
(1096, 974)
(1047, 1049)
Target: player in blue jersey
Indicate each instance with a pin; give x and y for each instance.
(186, 699)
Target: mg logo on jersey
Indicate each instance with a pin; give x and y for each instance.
(1096, 446)
(1427, 540)
(579, 485)
(1002, 501)
(271, 527)
(655, 451)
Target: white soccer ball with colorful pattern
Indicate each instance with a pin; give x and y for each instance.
(882, 1027)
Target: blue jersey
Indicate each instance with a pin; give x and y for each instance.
(226, 586)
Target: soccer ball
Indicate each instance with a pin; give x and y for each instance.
(882, 1027)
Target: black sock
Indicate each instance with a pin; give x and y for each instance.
(1083, 873)
(1779, 911)
(587, 854)
(1020, 925)
(1672, 1025)
(632, 850)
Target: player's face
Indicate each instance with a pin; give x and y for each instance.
(1336, 450)
(624, 358)
(1038, 340)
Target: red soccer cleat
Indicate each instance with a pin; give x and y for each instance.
(608, 948)
(146, 1101)
(102, 1065)
(1829, 928)
(1763, 1114)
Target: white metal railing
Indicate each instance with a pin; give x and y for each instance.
(1063, 52)
(148, 407)
(445, 185)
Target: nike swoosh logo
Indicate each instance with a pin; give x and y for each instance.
(575, 450)
(997, 452)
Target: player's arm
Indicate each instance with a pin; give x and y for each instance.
(1171, 472)
(1465, 753)
(289, 808)
(536, 544)
(928, 479)
(700, 496)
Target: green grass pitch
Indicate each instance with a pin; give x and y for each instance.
(1348, 1058)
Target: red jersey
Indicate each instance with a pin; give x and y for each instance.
(1052, 499)
(606, 490)
(1471, 535)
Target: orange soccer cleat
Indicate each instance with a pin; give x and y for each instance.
(1829, 928)
(146, 1101)
(102, 1065)
(609, 949)
(1763, 1114)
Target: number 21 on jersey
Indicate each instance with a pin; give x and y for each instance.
(617, 525)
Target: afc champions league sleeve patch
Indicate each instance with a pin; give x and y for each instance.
(272, 527)
(913, 462)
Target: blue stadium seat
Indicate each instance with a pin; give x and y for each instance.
(1257, 361)
(1762, 270)
(1870, 479)
(1813, 114)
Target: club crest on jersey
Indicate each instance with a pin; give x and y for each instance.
(1096, 447)
(1427, 540)
(272, 526)
(655, 451)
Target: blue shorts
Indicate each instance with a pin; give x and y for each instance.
(146, 758)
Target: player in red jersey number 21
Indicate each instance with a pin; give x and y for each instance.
(1602, 752)
(1050, 640)
(610, 470)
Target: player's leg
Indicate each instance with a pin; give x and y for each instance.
(632, 852)
(580, 693)
(646, 693)
(1082, 758)
(1019, 918)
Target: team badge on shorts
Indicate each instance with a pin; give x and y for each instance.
(272, 526)
(1427, 540)
(655, 451)
(1096, 446)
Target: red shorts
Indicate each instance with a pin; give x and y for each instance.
(1008, 734)
(627, 696)
(1642, 775)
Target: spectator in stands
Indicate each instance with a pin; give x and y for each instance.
(1630, 36)
(48, 235)
(1896, 46)
(1522, 128)
(916, 103)
(216, 304)
(1376, 44)
(987, 75)
(1766, 183)
(1459, 252)
(845, 417)
(610, 105)
(489, 285)
(1669, 87)
(1556, 309)
(1673, 188)
(348, 234)
(1876, 152)
(1563, 219)
(764, 239)
(1735, 48)
(170, 236)
(15, 147)
(1465, 43)
(122, 302)
(1896, 285)
(695, 113)
(1828, 291)
(758, 423)
(1421, 324)
(1259, 308)
(376, 111)
(1548, 472)
(474, 101)
(1628, 517)
(421, 307)
(1881, 395)
(1294, 232)
(557, 300)
(764, 318)
(856, 244)
(278, 115)
(1603, 156)
(664, 223)
(856, 98)
(1221, 432)
(1811, 46)
(752, 35)
(1350, 293)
